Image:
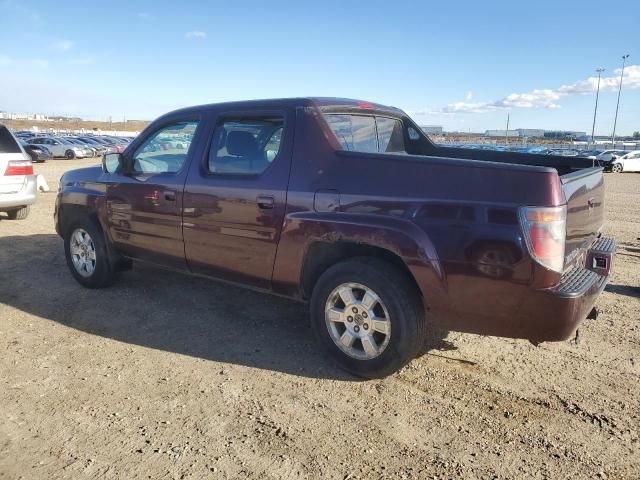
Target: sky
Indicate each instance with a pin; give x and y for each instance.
(462, 64)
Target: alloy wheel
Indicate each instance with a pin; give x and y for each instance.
(358, 321)
(83, 252)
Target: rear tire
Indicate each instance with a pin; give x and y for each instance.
(19, 213)
(87, 255)
(371, 345)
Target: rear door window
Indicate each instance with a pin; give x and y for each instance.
(245, 145)
(7, 142)
(367, 133)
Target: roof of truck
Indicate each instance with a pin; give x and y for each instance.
(321, 102)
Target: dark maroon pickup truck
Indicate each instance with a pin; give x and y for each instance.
(348, 205)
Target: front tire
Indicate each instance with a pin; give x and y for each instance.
(19, 213)
(87, 255)
(616, 168)
(368, 317)
(70, 154)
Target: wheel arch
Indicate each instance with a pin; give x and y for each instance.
(321, 255)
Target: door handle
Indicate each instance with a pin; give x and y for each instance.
(265, 202)
(170, 196)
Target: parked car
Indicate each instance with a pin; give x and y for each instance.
(17, 181)
(605, 158)
(630, 162)
(61, 147)
(564, 152)
(108, 145)
(116, 145)
(91, 141)
(38, 153)
(349, 206)
(95, 150)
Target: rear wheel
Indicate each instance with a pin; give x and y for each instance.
(19, 213)
(616, 168)
(368, 316)
(87, 255)
(70, 154)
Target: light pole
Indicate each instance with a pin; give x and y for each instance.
(615, 121)
(506, 132)
(595, 111)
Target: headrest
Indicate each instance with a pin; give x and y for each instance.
(241, 144)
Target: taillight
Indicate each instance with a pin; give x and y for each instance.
(545, 230)
(19, 167)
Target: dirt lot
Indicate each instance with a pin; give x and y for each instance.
(165, 376)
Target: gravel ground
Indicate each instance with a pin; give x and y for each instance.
(166, 376)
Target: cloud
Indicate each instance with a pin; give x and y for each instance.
(196, 34)
(88, 60)
(39, 63)
(469, 96)
(145, 16)
(545, 97)
(63, 45)
(5, 60)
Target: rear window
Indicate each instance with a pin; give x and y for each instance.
(367, 133)
(7, 142)
(245, 145)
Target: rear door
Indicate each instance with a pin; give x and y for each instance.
(234, 200)
(144, 207)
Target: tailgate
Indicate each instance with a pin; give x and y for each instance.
(584, 192)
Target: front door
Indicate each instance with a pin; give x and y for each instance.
(234, 201)
(144, 205)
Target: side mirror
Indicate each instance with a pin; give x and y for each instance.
(112, 162)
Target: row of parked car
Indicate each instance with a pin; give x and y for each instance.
(46, 147)
(615, 160)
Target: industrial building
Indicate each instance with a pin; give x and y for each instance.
(432, 129)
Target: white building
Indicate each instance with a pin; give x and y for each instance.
(502, 133)
(432, 129)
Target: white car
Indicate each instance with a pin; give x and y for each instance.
(18, 184)
(607, 155)
(629, 162)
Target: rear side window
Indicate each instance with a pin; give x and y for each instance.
(245, 145)
(7, 142)
(369, 134)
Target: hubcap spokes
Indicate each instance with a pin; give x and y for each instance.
(358, 321)
(83, 252)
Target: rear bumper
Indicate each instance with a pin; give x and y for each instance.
(555, 314)
(26, 196)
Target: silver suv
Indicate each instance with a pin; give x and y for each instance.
(18, 185)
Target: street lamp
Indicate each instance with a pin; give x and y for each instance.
(595, 111)
(615, 121)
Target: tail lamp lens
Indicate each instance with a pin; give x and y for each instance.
(19, 167)
(545, 230)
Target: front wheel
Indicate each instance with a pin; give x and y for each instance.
(616, 168)
(70, 154)
(87, 255)
(368, 316)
